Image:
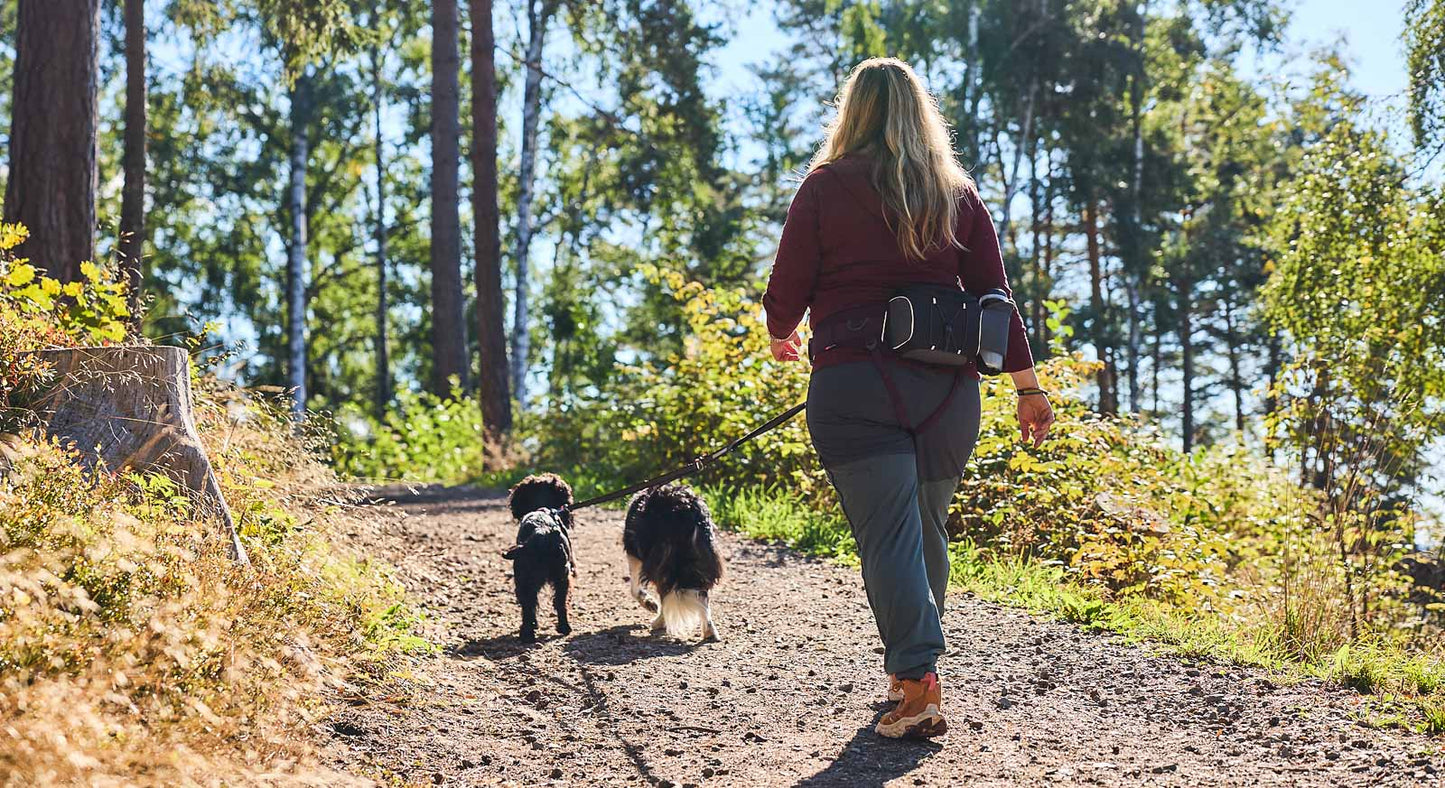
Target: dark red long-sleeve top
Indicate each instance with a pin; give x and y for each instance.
(837, 252)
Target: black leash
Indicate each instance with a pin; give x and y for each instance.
(693, 467)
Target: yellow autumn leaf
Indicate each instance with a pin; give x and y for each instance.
(90, 271)
(12, 235)
(20, 275)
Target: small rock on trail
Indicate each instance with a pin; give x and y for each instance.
(790, 695)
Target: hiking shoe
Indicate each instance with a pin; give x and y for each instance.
(895, 688)
(919, 715)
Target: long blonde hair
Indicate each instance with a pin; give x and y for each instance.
(886, 113)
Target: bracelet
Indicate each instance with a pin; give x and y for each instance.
(1027, 392)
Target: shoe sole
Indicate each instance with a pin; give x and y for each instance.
(921, 726)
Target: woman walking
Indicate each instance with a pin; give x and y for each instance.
(886, 205)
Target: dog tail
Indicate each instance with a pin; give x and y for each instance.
(683, 612)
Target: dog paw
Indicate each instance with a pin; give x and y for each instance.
(527, 636)
(564, 628)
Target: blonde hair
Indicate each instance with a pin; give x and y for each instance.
(885, 112)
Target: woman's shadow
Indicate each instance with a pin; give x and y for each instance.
(871, 761)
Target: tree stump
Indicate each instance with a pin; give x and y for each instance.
(129, 408)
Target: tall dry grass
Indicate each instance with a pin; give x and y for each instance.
(133, 651)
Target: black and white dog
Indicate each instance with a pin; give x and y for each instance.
(671, 545)
(543, 552)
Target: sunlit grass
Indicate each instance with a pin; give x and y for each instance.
(1371, 665)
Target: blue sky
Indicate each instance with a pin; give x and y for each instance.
(1370, 32)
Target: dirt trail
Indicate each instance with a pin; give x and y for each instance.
(790, 695)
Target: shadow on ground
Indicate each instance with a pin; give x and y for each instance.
(622, 644)
(494, 648)
(871, 761)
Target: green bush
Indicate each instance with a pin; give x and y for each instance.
(1216, 552)
(423, 438)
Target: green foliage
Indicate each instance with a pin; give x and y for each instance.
(1425, 63)
(771, 513)
(1216, 553)
(424, 438)
(659, 413)
(38, 312)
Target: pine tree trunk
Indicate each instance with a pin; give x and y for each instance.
(491, 337)
(449, 332)
(132, 201)
(539, 13)
(1107, 402)
(51, 185)
(1138, 262)
(296, 257)
(383, 356)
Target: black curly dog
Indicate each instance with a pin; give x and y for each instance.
(543, 552)
(671, 545)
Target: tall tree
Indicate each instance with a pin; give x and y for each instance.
(448, 316)
(51, 186)
(132, 203)
(539, 14)
(496, 403)
(296, 284)
(383, 355)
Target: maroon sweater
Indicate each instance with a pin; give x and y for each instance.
(837, 251)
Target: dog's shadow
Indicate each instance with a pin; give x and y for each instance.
(621, 645)
(871, 761)
(495, 648)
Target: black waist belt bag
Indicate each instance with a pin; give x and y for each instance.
(932, 324)
(949, 327)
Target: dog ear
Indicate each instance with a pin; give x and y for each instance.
(512, 552)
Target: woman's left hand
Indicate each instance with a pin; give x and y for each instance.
(790, 349)
(1036, 416)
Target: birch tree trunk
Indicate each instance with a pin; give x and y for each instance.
(1107, 401)
(296, 256)
(539, 13)
(491, 337)
(51, 184)
(383, 357)
(1185, 295)
(132, 200)
(449, 331)
(1236, 373)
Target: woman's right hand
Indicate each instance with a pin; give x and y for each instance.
(790, 349)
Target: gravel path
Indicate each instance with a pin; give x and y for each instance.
(790, 695)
